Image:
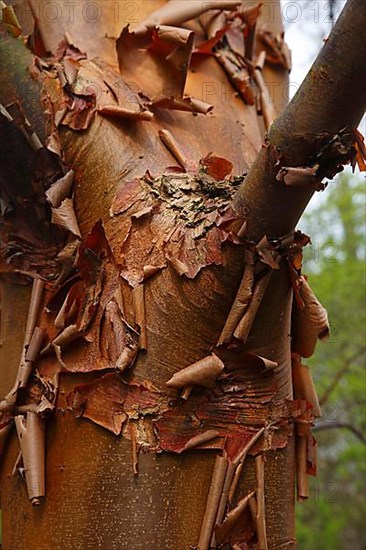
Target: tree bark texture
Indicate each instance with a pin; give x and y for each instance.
(94, 499)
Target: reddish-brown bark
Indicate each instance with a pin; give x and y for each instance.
(155, 313)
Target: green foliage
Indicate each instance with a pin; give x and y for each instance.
(333, 517)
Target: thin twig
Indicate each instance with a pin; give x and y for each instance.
(186, 392)
(331, 425)
(341, 372)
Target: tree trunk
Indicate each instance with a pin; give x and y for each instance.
(93, 496)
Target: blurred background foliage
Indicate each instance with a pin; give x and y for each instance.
(334, 516)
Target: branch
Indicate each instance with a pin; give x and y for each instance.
(338, 375)
(332, 97)
(347, 425)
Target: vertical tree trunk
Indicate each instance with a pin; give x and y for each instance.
(93, 498)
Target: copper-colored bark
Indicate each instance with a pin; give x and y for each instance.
(176, 318)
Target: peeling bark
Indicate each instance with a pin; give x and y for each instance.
(149, 288)
(31, 433)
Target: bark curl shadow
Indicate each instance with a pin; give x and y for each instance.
(21, 121)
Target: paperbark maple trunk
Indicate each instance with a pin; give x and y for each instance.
(93, 499)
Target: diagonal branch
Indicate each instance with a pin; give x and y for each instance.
(332, 97)
(347, 425)
(340, 373)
